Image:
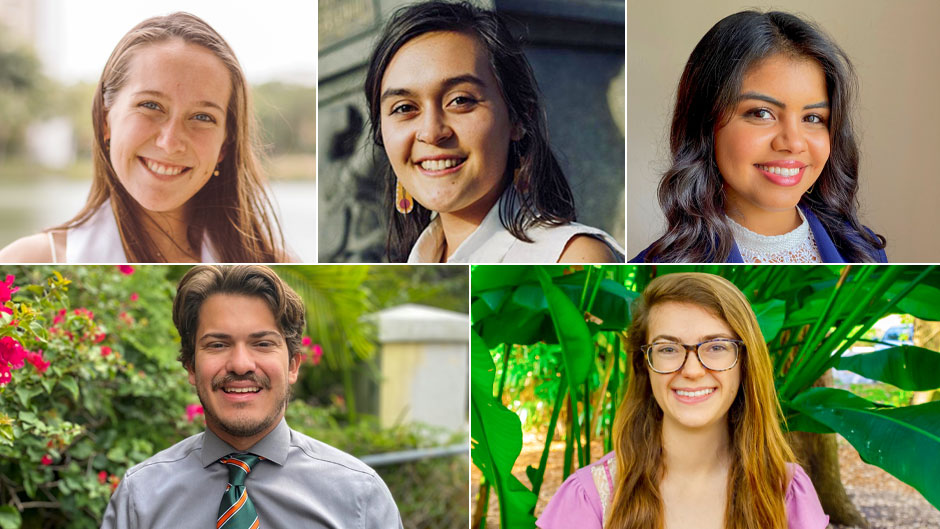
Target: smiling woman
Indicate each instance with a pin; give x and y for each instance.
(697, 436)
(470, 176)
(764, 155)
(177, 176)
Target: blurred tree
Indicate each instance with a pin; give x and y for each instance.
(22, 90)
(288, 117)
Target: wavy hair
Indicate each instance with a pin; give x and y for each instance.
(691, 192)
(233, 208)
(539, 193)
(759, 452)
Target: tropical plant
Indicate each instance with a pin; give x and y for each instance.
(810, 317)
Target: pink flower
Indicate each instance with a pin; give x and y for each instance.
(37, 361)
(6, 292)
(81, 311)
(11, 352)
(105, 351)
(102, 477)
(134, 296)
(192, 411)
(126, 269)
(46, 460)
(306, 341)
(316, 352)
(59, 318)
(100, 337)
(5, 375)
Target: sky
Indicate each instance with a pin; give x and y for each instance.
(273, 39)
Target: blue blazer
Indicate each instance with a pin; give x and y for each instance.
(827, 249)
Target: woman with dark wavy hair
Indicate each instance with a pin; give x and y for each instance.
(764, 155)
(469, 173)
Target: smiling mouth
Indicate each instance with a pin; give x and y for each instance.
(241, 390)
(699, 393)
(441, 164)
(163, 169)
(781, 171)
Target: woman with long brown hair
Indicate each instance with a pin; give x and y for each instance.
(177, 176)
(698, 441)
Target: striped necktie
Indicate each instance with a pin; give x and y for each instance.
(236, 510)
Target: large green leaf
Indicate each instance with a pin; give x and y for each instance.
(9, 517)
(920, 302)
(496, 441)
(903, 441)
(573, 334)
(770, 316)
(906, 366)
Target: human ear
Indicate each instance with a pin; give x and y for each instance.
(516, 133)
(293, 368)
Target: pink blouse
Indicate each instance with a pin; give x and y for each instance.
(578, 504)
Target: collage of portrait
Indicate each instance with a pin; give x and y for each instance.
(588, 264)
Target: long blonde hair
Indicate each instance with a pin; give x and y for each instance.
(233, 208)
(757, 478)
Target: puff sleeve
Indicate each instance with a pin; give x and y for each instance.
(803, 508)
(575, 504)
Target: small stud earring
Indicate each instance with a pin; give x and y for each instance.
(216, 172)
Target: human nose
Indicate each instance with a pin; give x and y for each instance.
(171, 137)
(692, 368)
(433, 128)
(240, 360)
(790, 137)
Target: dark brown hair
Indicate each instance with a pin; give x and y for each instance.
(260, 281)
(539, 193)
(233, 208)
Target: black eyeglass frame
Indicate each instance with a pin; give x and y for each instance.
(693, 348)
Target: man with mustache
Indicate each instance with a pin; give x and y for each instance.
(240, 329)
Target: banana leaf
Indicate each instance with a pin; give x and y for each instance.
(906, 366)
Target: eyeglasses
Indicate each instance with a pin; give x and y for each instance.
(714, 355)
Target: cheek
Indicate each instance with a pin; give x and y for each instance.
(820, 147)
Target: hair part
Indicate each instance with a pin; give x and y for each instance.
(203, 281)
(757, 478)
(691, 192)
(537, 192)
(233, 208)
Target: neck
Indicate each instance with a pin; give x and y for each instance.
(695, 451)
(169, 233)
(766, 222)
(458, 225)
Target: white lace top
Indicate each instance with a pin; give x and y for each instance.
(797, 246)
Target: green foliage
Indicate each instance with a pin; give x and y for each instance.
(112, 395)
(810, 316)
(288, 117)
(22, 87)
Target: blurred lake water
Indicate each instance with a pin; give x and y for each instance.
(31, 206)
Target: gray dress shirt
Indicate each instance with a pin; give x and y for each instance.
(304, 483)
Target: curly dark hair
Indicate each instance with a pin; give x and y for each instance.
(539, 194)
(691, 192)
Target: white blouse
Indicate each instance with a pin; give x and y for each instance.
(797, 246)
(492, 243)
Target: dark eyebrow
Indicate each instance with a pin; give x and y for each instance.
(781, 104)
(446, 85)
(703, 339)
(223, 336)
(156, 93)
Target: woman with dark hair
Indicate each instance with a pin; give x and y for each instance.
(697, 437)
(470, 176)
(764, 155)
(177, 176)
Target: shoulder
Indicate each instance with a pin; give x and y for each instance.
(802, 503)
(32, 249)
(567, 243)
(587, 249)
(330, 460)
(164, 463)
(577, 502)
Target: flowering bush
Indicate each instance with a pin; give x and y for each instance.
(89, 386)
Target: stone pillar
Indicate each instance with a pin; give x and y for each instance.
(424, 366)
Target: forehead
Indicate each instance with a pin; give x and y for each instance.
(234, 313)
(433, 57)
(182, 71)
(786, 77)
(687, 321)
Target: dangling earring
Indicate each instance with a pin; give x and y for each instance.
(403, 201)
(107, 145)
(216, 172)
(517, 179)
(810, 190)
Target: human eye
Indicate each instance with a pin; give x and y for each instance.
(815, 119)
(665, 348)
(150, 105)
(760, 113)
(402, 108)
(463, 101)
(207, 118)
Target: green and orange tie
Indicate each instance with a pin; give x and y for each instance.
(236, 510)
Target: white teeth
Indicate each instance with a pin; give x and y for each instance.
(782, 171)
(698, 393)
(440, 165)
(159, 168)
(241, 390)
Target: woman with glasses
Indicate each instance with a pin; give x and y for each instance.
(697, 437)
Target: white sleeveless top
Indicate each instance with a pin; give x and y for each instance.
(99, 241)
(491, 242)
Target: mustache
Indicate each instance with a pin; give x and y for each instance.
(262, 381)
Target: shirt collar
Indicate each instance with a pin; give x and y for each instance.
(430, 244)
(272, 446)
